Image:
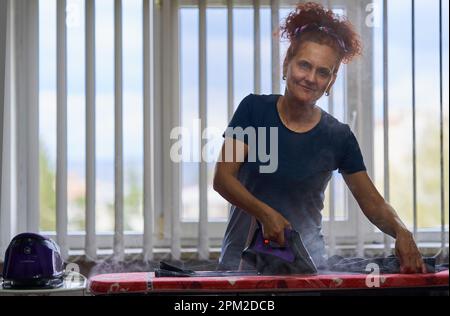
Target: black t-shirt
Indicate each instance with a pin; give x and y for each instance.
(287, 170)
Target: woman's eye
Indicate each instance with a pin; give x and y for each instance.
(324, 73)
(304, 65)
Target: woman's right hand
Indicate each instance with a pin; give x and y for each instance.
(273, 225)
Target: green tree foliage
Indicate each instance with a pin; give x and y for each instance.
(133, 200)
(47, 179)
(47, 194)
(429, 181)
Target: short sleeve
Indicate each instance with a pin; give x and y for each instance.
(241, 119)
(352, 160)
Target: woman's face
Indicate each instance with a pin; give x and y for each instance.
(311, 72)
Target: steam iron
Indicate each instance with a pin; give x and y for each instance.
(269, 258)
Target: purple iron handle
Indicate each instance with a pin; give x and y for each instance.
(261, 245)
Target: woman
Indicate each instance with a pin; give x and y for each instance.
(310, 145)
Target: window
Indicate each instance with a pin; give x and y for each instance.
(132, 111)
(201, 72)
(243, 83)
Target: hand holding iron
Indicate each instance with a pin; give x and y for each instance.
(273, 225)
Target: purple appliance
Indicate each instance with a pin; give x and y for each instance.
(32, 261)
(269, 258)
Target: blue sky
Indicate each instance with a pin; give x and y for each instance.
(399, 55)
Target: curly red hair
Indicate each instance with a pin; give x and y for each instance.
(311, 13)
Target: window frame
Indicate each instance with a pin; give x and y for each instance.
(217, 228)
(346, 231)
(356, 225)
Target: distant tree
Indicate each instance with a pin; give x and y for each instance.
(77, 219)
(428, 179)
(132, 201)
(47, 193)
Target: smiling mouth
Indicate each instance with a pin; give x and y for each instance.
(306, 88)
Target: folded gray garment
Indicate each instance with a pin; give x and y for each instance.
(387, 265)
(168, 270)
(390, 264)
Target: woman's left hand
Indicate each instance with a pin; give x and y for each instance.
(410, 258)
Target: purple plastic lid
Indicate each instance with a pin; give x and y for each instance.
(32, 256)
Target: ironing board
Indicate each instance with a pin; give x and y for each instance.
(147, 283)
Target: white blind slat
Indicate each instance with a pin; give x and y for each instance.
(118, 134)
(148, 133)
(203, 187)
(90, 242)
(61, 134)
(275, 46)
